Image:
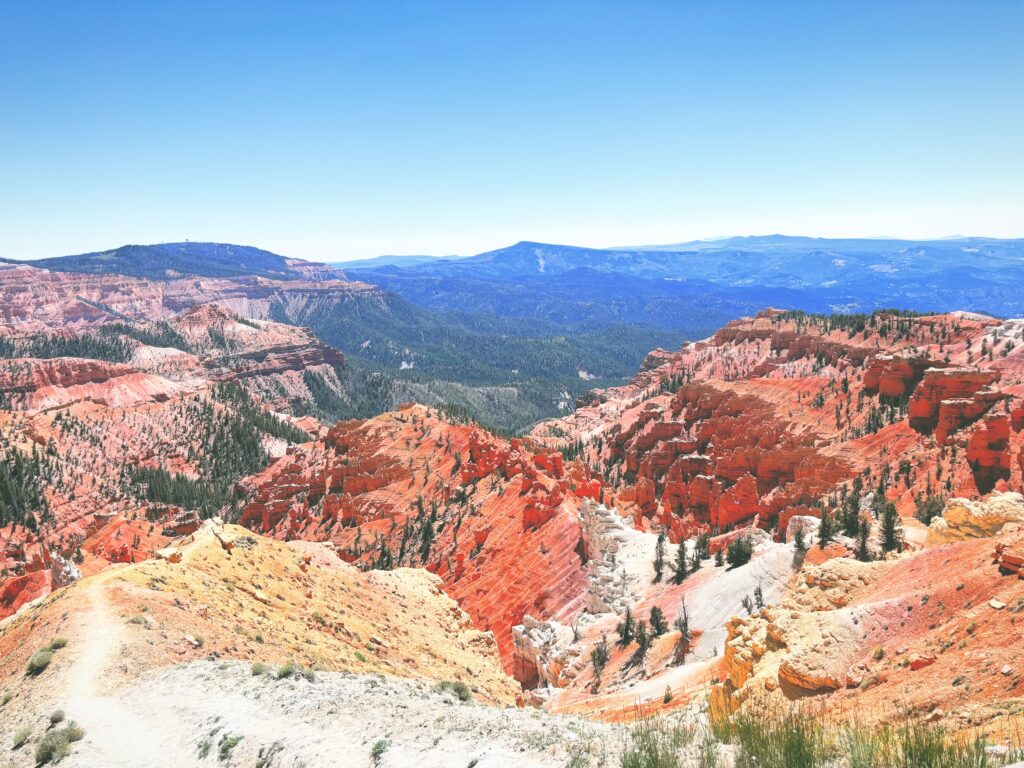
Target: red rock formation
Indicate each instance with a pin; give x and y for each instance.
(496, 521)
(719, 459)
(896, 375)
(775, 414)
(782, 408)
(1017, 416)
(42, 384)
(78, 413)
(1009, 560)
(948, 399)
(19, 590)
(988, 452)
(36, 300)
(183, 524)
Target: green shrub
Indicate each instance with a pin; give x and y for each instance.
(39, 662)
(227, 743)
(740, 551)
(266, 755)
(801, 740)
(456, 687)
(599, 656)
(294, 669)
(378, 750)
(21, 737)
(707, 753)
(41, 659)
(913, 744)
(286, 670)
(56, 744)
(792, 740)
(57, 716)
(655, 743)
(926, 745)
(259, 669)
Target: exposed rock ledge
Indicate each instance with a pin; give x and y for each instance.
(964, 519)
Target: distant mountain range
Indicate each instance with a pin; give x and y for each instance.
(663, 284)
(764, 260)
(171, 260)
(655, 285)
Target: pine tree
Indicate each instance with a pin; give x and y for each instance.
(799, 538)
(695, 561)
(643, 639)
(858, 488)
(719, 558)
(758, 596)
(851, 515)
(659, 557)
(658, 624)
(626, 628)
(384, 562)
(682, 625)
(892, 528)
(680, 566)
(741, 549)
(599, 656)
(863, 553)
(929, 507)
(704, 546)
(825, 529)
(426, 540)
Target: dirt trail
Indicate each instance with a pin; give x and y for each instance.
(115, 735)
(219, 713)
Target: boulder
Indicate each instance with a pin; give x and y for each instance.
(170, 554)
(964, 519)
(921, 661)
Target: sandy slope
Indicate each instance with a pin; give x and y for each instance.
(137, 634)
(181, 715)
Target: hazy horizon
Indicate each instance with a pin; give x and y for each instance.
(637, 246)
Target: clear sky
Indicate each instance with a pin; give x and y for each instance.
(343, 130)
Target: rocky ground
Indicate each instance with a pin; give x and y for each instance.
(219, 713)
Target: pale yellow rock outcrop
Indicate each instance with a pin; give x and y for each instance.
(964, 519)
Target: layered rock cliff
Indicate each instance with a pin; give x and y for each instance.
(496, 521)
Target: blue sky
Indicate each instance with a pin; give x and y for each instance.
(331, 130)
